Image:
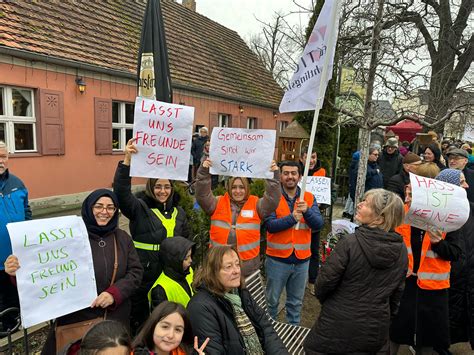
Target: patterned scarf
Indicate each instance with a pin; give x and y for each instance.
(246, 329)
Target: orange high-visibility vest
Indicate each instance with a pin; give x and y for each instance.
(281, 244)
(320, 172)
(247, 226)
(433, 273)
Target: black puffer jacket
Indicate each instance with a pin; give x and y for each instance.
(211, 316)
(390, 164)
(461, 292)
(359, 288)
(145, 226)
(172, 254)
(398, 182)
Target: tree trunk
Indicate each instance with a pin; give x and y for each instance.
(368, 106)
(362, 168)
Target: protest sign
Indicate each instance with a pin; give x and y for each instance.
(437, 205)
(163, 137)
(468, 132)
(242, 152)
(56, 274)
(320, 187)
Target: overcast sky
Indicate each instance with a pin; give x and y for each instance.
(239, 15)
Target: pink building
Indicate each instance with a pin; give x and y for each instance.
(65, 142)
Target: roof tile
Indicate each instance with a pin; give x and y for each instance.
(203, 54)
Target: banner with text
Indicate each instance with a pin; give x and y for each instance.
(56, 276)
(437, 205)
(163, 137)
(242, 152)
(320, 187)
(302, 90)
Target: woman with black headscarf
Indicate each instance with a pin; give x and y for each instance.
(100, 215)
(154, 216)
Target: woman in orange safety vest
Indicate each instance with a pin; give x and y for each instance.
(236, 216)
(423, 320)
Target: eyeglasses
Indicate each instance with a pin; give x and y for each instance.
(99, 208)
(162, 187)
(455, 157)
(375, 154)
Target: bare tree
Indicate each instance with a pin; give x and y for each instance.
(278, 46)
(424, 43)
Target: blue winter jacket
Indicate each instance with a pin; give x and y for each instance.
(373, 179)
(13, 208)
(312, 217)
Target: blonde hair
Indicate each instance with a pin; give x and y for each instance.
(429, 170)
(208, 274)
(3, 145)
(387, 205)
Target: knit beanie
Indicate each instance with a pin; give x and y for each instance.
(452, 176)
(411, 158)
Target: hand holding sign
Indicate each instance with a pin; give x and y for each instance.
(104, 300)
(435, 236)
(11, 265)
(302, 206)
(130, 149)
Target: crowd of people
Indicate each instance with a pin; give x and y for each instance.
(387, 284)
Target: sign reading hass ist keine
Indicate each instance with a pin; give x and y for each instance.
(242, 152)
(163, 137)
(437, 205)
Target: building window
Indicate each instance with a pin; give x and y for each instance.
(251, 123)
(224, 120)
(282, 125)
(122, 124)
(17, 119)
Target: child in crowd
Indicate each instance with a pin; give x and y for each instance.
(105, 338)
(174, 283)
(167, 331)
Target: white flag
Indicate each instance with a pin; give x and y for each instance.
(302, 90)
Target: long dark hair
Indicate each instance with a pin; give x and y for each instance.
(145, 337)
(106, 334)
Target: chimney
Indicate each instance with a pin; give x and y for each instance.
(190, 4)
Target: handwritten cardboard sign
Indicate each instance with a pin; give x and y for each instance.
(437, 205)
(163, 134)
(320, 187)
(242, 152)
(56, 274)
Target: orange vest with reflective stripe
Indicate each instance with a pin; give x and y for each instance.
(247, 226)
(281, 244)
(320, 172)
(433, 273)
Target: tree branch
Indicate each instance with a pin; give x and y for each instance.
(415, 118)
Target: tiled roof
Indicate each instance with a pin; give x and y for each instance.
(203, 54)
